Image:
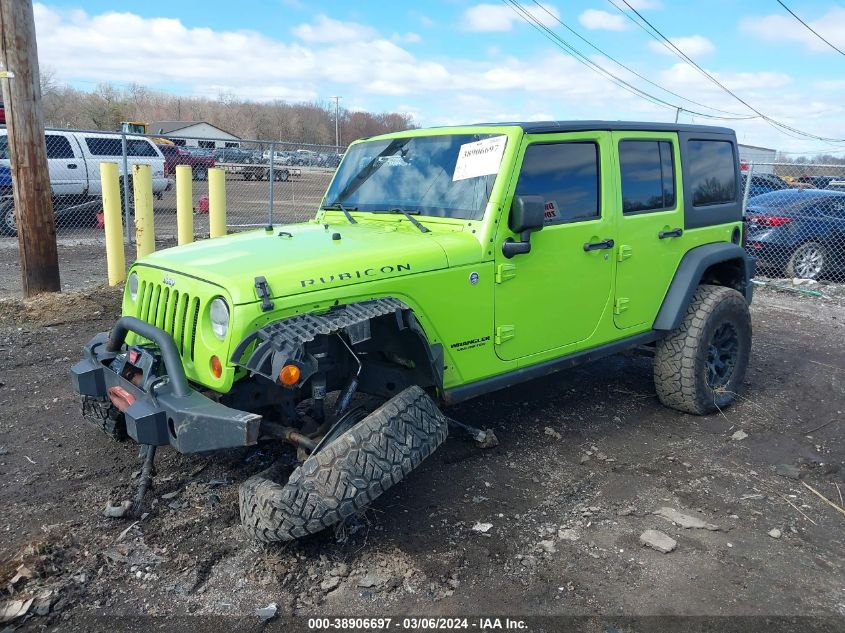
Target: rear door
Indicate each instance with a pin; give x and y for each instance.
(651, 227)
(554, 297)
(66, 165)
(101, 148)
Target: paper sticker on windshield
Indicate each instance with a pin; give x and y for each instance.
(481, 158)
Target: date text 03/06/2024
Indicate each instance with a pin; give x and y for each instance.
(416, 623)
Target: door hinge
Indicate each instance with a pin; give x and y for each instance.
(624, 252)
(504, 333)
(620, 305)
(505, 272)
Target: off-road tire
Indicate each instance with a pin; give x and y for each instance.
(103, 415)
(348, 474)
(681, 359)
(807, 262)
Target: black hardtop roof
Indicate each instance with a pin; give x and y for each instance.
(547, 127)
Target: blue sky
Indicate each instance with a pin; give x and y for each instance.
(458, 61)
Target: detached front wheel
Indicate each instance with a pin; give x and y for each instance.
(699, 368)
(346, 475)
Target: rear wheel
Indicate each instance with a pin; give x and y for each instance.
(699, 368)
(8, 224)
(200, 173)
(345, 475)
(807, 262)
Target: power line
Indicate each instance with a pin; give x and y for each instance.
(810, 28)
(632, 71)
(783, 127)
(528, 17)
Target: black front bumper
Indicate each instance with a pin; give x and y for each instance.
(163, 409)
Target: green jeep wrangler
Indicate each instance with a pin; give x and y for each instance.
(442, 265)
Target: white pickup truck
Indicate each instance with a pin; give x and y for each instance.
(73, 159)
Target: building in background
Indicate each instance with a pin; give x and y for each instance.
(761, 157)
(180, 132)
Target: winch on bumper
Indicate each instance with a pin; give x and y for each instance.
(148, 384)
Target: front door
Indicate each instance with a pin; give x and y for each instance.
(554, 297)
(65, 164)
(651, 227)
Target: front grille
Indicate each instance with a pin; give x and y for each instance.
(177, 313)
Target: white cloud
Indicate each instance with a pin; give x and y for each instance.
(325, 29)
(408, 38)
(500, 17)
(785, 30)
(694, 46)
(595, 19)
(376, 72)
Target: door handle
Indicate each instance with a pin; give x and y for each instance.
(71, 165)
(673, 233)
(596, 246)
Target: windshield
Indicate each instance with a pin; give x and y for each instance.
(444, 176)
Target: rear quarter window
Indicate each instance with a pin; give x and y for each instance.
(711, 172)
(140, 147)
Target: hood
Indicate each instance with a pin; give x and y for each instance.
(301, 258)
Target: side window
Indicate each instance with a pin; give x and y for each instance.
(566, 175)
(4, 147)
(712, 178)
(647, 175)
(58, 146)
(139, 147)
(104, 146)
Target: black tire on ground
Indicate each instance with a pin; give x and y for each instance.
(347, 475)
(200, 173)
(247, 175)
(807, 262)
(699, 368)
(102, 414)
(8, 225)
(282, 175)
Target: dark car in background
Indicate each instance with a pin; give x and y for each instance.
(200, 162)
(236, 155)
(764, 183)
(799, 232)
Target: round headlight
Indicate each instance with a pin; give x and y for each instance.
(132, 282)
(219, 313)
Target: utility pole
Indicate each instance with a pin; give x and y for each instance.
(33, 197)
(337, 121)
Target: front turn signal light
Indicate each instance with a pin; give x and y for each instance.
(216, 367)
(289, 375)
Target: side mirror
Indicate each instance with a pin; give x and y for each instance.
(527, 215)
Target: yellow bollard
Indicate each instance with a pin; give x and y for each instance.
(216, 202)
(184, 205)
(142, 182)
(115, 258)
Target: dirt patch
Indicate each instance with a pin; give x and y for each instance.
(55, 308)
(566, 508)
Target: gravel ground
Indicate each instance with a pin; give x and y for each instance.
(548, 523)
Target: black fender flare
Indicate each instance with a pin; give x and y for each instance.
(281, 341)
(689, 274)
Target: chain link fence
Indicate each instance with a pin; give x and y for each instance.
(795, 212)
(266, 181)
(795, 220)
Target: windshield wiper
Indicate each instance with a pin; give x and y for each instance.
(408, 215)
(346, 210)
